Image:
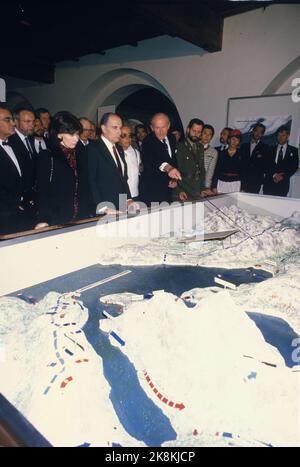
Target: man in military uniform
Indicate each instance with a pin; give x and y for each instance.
(190, 160)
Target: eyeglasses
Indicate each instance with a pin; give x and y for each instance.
(126, 135)
(7, 119)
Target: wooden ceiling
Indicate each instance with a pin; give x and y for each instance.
(37, 35)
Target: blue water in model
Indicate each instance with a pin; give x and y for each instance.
(138, 414)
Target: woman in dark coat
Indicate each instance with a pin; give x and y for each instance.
(59, 178)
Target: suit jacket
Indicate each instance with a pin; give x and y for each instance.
(106, 183)
(56, 188)
(11, 191)
(288, 167)
(154, 182)
(219, 148)
(254, 166)
(28, 163)
(88, 207)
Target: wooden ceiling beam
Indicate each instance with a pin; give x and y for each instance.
(195, 23)
(28, 70)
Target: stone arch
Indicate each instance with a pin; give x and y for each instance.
(282, 77)
(120, 94)
(114, 86)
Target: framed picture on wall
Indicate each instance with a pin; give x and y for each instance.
(273, 111)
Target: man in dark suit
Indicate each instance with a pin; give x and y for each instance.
(224, 135)
(82, 165)
(12, 213)
(40, 143)
(23, 139)
(45, 117)
(283, 164)
(107, 166)
(254, 160)
(140, 132)
(160, 174)
(23, 145)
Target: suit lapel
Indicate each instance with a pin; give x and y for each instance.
(289, 152)
(105, 152)
(273, 154)
(162, 147)
(172, 143)
(9, 161)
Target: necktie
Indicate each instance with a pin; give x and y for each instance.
(40, 146)
(118, 161)
(280, 155)
(29, 147)
(164, 141)
(5, 143)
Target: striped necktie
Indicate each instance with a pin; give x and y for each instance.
(164, 141)
(29, 147)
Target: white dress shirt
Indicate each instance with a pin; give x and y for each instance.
(133, 160)
(37, 144)
(109, 146)
(9, 151)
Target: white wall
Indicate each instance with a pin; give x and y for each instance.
(2, 90)
(257, 46)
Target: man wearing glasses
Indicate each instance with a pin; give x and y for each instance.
(12, 214)
(133, 161)
(87, 131)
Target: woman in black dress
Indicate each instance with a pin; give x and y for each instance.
(59, 178)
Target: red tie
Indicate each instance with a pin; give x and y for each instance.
(118, 161)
